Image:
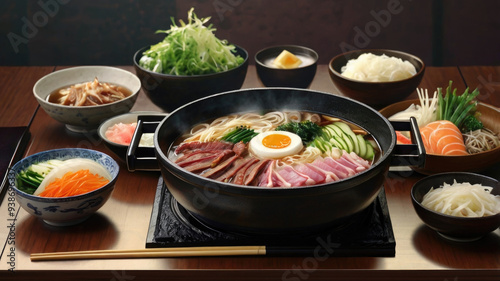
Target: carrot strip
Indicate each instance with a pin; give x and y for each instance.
(74, 183)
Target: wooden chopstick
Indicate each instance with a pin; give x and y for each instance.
(153, 253)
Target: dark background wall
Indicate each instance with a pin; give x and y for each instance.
(107, 32)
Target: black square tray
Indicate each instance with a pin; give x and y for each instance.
(370, 234)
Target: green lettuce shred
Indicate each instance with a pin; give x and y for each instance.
(190, 49)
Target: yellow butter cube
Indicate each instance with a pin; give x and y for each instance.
(287, 60)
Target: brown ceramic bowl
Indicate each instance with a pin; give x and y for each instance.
(490, 116)
(375, 94)
(451, 227)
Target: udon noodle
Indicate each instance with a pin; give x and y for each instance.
(260, 123)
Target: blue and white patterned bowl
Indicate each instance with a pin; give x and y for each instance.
(86, 118)
(67, 210)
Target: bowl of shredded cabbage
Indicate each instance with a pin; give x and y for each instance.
(190, 63)
(64, 186)
(376, 77)
(460, 206)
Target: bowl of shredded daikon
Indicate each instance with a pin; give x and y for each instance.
(376, 77)
(459, 206)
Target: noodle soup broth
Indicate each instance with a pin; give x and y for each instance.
(338, 149)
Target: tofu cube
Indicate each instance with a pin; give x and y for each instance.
(287, 60)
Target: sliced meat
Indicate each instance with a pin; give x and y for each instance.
(197, 157)
(271, 178)
(200, 165)
(348, 161)
(221, 156)
(240, 148)
(337, 168)
(220, 168)
(238, 168)
(239, 177)
(213, 145)
(255, 171)
(185, 156)
(320, 166)
(311, 173)
(293, 177)
(188, 146)
(356, 158)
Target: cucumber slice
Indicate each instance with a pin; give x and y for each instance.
(328, 132)
(347, 143)
(44, 168)
(350, 134)
(370, 152)
(362, 146)
(328, 146)
(336, 129)
(338, 144)
(319, 144)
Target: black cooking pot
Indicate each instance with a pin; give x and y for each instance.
(260, 210)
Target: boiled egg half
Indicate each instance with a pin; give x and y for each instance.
(275, 144)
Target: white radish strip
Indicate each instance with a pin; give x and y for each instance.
(462, 200)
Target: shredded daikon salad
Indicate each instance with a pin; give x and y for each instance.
(462, 200)
(372, 68)
(424, 113)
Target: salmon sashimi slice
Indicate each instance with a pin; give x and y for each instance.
(444, 138)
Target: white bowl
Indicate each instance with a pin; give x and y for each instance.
(86, 118)
(65, 210)
(120, 150)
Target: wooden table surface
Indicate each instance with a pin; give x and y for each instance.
(122, 223)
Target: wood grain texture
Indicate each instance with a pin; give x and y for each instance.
(17, 103)
(486, 79)
(122, 223)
